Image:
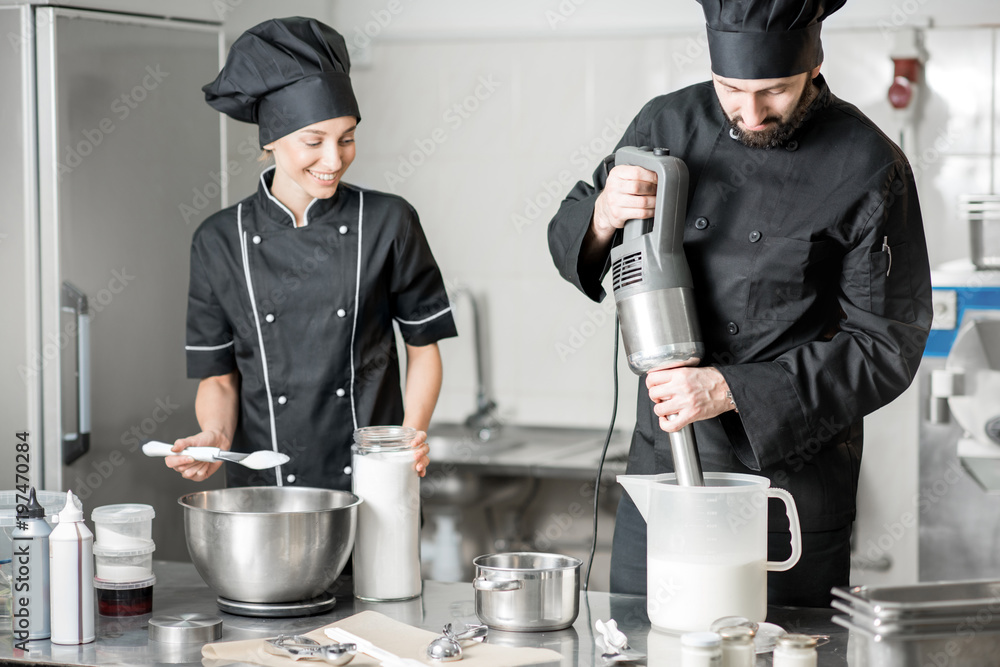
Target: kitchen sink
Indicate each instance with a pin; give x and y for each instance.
(457, 443)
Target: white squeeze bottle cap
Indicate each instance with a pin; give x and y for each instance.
(70, 513)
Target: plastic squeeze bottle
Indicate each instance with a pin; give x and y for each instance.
(30, 569)
(71, 577)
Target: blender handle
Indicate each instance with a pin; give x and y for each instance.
(793, 526)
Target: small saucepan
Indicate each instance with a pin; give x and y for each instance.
(527, 591)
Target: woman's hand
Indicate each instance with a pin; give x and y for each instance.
(198, 471)
(420, 451)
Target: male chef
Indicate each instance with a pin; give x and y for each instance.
(811, 281)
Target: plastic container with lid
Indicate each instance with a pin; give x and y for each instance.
(124, 526)
(701, 649)
(124, 598)
(124, 564)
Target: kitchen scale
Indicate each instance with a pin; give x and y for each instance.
(317, 605)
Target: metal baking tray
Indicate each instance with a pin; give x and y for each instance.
(944, 624)
(968, 647)
(951, 598)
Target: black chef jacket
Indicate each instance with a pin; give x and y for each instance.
(306, 315)
(811, 283)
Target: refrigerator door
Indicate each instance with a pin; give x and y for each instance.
(130, 162)
(20, 359)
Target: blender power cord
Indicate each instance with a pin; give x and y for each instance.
(604, 454)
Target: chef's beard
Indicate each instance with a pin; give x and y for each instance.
(780, 130)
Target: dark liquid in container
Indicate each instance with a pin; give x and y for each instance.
(128, 602)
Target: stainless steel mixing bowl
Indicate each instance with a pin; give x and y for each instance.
(270, 544)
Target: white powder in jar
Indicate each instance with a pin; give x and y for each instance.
(387, 546)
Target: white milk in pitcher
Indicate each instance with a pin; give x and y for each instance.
(687, 597)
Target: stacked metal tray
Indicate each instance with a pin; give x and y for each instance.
(944, 624)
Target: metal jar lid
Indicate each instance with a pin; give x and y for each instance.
(185, 628)
(797, 641)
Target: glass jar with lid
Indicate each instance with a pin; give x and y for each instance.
(795, 650)
(387, 545)
(738, 647)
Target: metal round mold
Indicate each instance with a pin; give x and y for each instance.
(185, 628)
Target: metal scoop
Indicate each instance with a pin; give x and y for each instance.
(259, 460)
(300, 646)
(448, 646)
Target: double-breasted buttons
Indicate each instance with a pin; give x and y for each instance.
(348, 470)
(282, 400)
(732, 328)
(269, 318)
(754, 236)
(733, 134)
(256, 239)
(343, 229)
(290, 479)
(792, 146)
(341, 312)
(701, 223)
(341, 392)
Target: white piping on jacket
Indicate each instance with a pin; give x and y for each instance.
(357, 304)
(260, 335)
(284, 208)
(202, 348)
(426, 319)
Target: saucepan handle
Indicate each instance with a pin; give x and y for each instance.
(793, 525)
(481, 584)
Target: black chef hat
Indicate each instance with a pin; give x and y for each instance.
(285, 74)
(765, 39)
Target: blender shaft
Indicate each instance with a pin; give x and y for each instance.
(687, 464)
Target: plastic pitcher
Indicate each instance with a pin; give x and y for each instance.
(706, 547)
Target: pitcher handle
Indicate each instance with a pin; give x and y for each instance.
(793, 525)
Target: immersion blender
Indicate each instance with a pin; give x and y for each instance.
(654, 291)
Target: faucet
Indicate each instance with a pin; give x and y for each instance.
(484, 422)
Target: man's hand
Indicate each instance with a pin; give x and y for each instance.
(629, 194)
(685, 395)
(199, 471)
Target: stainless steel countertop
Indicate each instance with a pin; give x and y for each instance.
(532, 451)
(179, 590)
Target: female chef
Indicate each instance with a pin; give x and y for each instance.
(294, 290)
